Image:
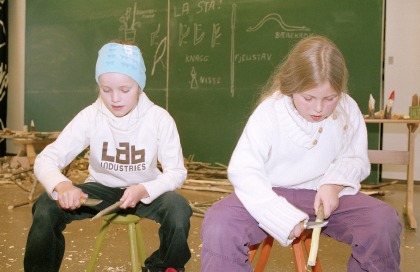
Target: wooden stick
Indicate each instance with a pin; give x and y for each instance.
(213, 189)
(33, 187)
(195, 209)
(107, 210)
(220, 164)
(198, 214)
(22, 204)
(23, 188)
(375, 186)
(315, 237)
(23, 171)
(208, 182)
(210, 202)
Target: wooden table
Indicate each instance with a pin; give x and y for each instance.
(400, 157)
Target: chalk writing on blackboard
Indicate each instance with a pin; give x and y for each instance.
(183, 34)
(127, 30)
(160, 52)
(215, 34)
(197, 39)
(154, 35)
(194, 84)
(204, 6)
(276, 17)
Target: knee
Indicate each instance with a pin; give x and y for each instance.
(176, 207)
(45, 208)
(385, 227)
(216, 221)
(386, 220)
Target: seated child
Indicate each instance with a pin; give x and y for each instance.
(127, 135)
(304, 144)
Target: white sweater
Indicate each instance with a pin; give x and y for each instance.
(279, 148)
(123, 151)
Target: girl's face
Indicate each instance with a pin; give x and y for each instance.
(119, 92)
(316, 104)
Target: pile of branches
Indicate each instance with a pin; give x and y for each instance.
(205, 177)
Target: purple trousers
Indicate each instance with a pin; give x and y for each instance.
(370, 226)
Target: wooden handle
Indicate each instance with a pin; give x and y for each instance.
(315, 237)
(82, 200)
(320, 214)
(107, 210)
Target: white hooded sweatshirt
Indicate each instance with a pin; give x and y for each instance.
(123, 150)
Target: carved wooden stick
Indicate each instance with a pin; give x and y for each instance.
(315, 237)
(107, 210)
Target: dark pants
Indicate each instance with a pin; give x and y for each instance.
(45, 245)
(370, 226)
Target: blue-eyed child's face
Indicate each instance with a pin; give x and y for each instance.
(119, 92)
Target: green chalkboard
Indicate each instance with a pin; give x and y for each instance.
(206, 60)
(62, 43)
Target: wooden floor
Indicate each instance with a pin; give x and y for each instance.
(80, 238)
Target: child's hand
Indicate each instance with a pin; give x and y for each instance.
(328, 196)
(68, 195)
(132, 195)
(296, 232)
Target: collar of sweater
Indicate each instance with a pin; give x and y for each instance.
(128, 121)
(300, 131)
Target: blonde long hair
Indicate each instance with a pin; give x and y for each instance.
(312, 62)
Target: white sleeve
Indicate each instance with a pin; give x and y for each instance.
(352, 165)
(57, 155)
(172, 161)
(247, 173)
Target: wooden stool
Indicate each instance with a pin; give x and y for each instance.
(29, 146)
(135, 239)
(298, 253)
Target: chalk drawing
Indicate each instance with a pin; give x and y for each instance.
(194, 83)
(154, 35)
(158, 57)
(197, 40)
(129, 31)
(232, 50)
(215, 34)
(276, 17)
(182, 34)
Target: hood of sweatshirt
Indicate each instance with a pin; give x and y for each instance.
(129, 121)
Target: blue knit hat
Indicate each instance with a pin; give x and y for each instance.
(121, 58)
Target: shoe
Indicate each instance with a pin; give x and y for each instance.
(171, 270)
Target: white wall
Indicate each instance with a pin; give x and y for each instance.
(16, 87)
(402, 44)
